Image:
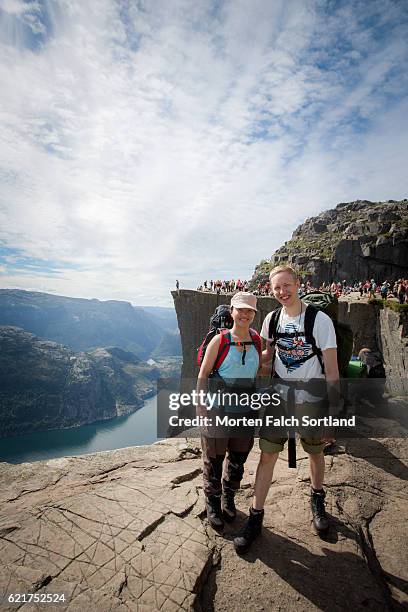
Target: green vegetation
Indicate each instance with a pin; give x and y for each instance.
(395, 306)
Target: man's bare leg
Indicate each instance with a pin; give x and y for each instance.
(316, 462)
(263, 479)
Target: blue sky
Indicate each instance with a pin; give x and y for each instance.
(146, 141)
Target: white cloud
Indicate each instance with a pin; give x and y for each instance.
(144, 142)
(18, 7)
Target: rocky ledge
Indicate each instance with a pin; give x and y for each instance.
(125, 530)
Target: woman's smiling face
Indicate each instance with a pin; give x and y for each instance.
(243, 317)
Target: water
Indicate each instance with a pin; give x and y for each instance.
(132, 430)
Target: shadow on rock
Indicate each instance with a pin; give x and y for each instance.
(378, 455)
(331, 580)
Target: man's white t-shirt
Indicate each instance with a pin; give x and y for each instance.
(290, 350)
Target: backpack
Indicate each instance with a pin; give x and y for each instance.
(327, 303)
(221, 319)
(220, 323)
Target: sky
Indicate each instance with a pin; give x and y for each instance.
(144, 141)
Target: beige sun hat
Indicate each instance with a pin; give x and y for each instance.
(244, 300)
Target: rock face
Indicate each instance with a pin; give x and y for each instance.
(392, 335)
(44, 385)
(383, 331)
(125, 530)
(354, 241)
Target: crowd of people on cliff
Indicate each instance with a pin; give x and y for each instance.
(386, 289)
(224, 286)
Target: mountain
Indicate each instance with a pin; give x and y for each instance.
(44, 385)
(83, 324)
(165, 317)
(354, 241)
(170, 345)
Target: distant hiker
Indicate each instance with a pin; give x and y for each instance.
(177, 285)
(384, 290)
(295, 359)
(401, 291)
(374, 367)
(240, 350)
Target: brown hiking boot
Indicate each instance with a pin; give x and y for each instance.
(214, 514)
(229, 511)
(320, 520)
(251, 530)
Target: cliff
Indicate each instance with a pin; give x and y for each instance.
(392, 338)
(381, 330)
(44, 385)
(354, 241)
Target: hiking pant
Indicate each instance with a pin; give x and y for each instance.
(235, 452)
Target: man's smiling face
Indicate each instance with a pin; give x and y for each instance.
(285, 288)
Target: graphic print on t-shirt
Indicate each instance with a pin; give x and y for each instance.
(293, 349)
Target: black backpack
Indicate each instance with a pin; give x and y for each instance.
(221, 319)
(328, 304)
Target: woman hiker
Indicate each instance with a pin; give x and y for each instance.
(241, 364)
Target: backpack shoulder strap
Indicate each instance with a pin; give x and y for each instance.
(225, 343)
(273, 323)
(257, 342)
(310, 318)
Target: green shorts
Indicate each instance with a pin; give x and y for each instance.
(310, 438)
(311, 446)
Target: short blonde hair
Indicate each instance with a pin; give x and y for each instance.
(285, 268)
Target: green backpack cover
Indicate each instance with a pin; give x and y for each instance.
(329, 304)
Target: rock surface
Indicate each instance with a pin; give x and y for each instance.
(125, 530)
(354, 241)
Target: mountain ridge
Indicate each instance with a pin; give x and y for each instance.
(84, 324)
(45, 385)
(353, 241)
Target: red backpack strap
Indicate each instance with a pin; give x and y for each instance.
(257, 342)
(225, 341)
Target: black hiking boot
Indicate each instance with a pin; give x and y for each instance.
(229, 511)
(320, 520)
(251, 530)
(214, 514)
